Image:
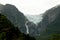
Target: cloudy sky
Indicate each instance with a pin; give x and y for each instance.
(32, 7)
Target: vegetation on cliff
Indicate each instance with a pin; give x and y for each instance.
(9, 32)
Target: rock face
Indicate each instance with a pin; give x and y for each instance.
(32, 29)
(19, 20)
(16, 17)
(1, 7)
(9, 32)
(49, 16)
(50, 23)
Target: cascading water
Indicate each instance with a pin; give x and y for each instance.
(27, 29)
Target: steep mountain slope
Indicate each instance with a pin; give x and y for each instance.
(49, 16)
(9, 32)
(16, 17)
(1, 7)
(50, 23)
(19, 20)
(34, 29)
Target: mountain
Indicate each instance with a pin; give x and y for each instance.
(1, 7)
(15, 16)
(34, 29)
(47, 24)
(19, 19)
(50, 23)
(9, 32)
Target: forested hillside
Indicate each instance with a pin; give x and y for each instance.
(9, 32)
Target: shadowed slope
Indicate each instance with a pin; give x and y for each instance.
(9, 32)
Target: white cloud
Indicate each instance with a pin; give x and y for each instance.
(32, 7)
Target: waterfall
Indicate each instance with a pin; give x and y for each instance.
(27, 27)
